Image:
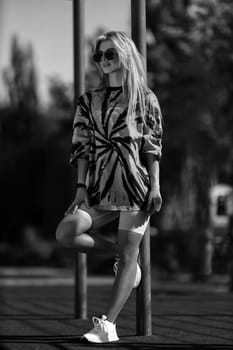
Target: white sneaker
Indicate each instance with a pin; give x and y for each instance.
(103, 331)
(138, 273)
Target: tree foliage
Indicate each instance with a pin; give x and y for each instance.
(20, 76)
(61, 96)
(27, 169)
(190, 68)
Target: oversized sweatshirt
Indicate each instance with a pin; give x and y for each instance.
(115, 147)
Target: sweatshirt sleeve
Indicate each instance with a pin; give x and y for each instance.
(152, 133)
(81, 132)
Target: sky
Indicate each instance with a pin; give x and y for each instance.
(47, 25)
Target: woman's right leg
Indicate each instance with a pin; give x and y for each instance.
(73, 231)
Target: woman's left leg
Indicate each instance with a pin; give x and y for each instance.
(132, 226)
(128, 244)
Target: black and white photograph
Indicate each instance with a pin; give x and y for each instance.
(116, 174)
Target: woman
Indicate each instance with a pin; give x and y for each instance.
(116, 149)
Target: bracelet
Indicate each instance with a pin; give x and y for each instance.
(79, 185)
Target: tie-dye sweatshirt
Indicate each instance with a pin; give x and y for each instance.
(115, 147)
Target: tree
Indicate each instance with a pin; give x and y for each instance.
(184, 66)
(20, 77)
(21, 145)
(61, 96)
(218, 52)
(190, 68)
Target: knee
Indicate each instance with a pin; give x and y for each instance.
(65, 233)
(128, 255)
(71, 226)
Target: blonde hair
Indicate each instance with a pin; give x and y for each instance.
(133, 69)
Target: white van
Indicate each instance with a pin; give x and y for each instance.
(221, 208)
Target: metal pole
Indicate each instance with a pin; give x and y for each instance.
(78, 45)
(80, 297)
(138, 25)
(143, 294)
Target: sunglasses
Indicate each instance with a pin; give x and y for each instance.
(108, 54)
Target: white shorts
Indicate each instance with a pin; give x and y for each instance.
(135, 221)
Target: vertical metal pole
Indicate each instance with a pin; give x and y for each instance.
(78, 45)
(143, 294)
(138, 25)
(80, 297)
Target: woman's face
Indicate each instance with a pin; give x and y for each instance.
(109, 58)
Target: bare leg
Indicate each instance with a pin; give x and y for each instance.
(72, 232)
(128, 253)
(93, 243)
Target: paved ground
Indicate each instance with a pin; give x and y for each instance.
(37, 313)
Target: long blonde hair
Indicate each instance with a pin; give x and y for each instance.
(133, 69)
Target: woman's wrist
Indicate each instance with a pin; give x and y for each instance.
(155, 185)
(81, 185)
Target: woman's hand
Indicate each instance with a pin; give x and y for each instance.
(80, 197)
(154, 202)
